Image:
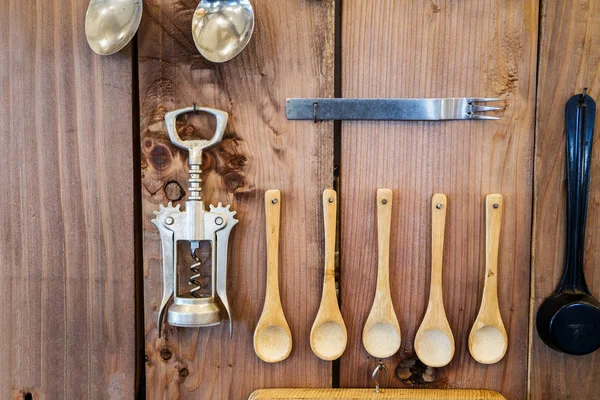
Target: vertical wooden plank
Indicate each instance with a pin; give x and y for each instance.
(291, 54)
(67, 275)
(569, 61)
(439, 49)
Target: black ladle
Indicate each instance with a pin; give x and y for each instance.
(569, 320)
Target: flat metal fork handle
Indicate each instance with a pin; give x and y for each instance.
(196, 146)
(433, 109)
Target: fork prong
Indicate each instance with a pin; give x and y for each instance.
(476, 108)
(483, 117)
(482, 99)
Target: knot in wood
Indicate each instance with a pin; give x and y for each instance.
(166, 354)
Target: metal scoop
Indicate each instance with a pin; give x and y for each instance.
(569, 320)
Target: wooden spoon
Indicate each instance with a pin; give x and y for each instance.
(381, 334)
(328, 336)
(434, 342)
(272, 337)
(488, 340)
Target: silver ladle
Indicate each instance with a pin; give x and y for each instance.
(111, 24)
(222, 28)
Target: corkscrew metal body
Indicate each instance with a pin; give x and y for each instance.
(199, 306)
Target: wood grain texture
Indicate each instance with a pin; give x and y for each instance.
(569, 61)
(439, 49)
(392, 394)
(67, 248)
(290, 55)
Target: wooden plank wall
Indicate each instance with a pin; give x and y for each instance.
(569, 61)
(67, 248)
(439, 49)
(291, 54)
(66, 157)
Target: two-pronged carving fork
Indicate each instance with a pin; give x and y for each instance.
(390, 109)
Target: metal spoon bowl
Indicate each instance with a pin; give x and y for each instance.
(222, 28)
(570, 322)
(111, 24)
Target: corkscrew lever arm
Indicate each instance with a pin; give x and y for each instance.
(166, 238)
(222, 249)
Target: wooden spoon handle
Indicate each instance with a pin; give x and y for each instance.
(438, 224)
(493, 223)
(272, 215)
(384, 221)
(329, 216)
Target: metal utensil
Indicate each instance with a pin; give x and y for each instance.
(222, 28)
(381, 333)
(328, 336)
(389, 109)
(111, 24)
(272, 336)
(488, 340)
(569, 320)
(434, 342)
(183, 234)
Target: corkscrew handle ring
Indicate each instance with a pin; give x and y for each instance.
(196, 146)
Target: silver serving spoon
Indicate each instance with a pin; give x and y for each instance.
(111, 24)
(222, 28)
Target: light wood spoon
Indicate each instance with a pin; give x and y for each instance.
(434, 342)
(488, 340)
(328, 336)
(272, 337)
(381, 334)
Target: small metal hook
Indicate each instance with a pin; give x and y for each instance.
(379, 367)
(315, 108)
(582, 96)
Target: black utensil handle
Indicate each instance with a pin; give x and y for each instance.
(580, 113)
